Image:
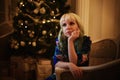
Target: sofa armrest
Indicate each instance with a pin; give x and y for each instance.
(106, 71)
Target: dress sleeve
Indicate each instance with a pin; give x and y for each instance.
(56, 52)
(86, 46)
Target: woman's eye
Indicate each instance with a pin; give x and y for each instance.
(72, 23)
(64, 25)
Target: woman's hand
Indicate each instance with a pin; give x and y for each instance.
(84, 58)
(75, 34)
(75, 70)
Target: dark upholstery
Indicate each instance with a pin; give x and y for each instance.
(102, 51)
(103, 64)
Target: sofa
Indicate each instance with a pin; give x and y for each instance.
(104, 63)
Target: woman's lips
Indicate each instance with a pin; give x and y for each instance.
(68, 32)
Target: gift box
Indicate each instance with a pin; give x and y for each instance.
(23, 68)
(44, 69)
(29, 68)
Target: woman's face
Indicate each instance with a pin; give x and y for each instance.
(68, 26)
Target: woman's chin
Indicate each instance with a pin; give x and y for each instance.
(67, 36)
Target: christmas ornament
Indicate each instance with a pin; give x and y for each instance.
(14, 44)
(26, 22)
(16, 47)
(31, 35)
(26, 27)
(44, 32)
(52, 13)
(50, 34)
(34, 43)
(42, 51)
(42, 10)
(20, 22)
(36, 11)
(21, 32)
(21, 4)
(29, 43)
(22, 43)
(38, 6)
(44, 21)
(29, 0)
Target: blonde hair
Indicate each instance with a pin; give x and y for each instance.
(69, 16)
(74, 17)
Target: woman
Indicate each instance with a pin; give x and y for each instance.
(72, 46)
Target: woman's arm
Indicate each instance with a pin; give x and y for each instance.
(76, 71)
(71, 48)
(71, 52)
(62, 64)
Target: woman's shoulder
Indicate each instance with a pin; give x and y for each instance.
(86, 39)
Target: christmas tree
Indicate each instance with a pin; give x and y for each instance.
(36, 26)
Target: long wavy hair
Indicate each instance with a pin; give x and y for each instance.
(61, 37)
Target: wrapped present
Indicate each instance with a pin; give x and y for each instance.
(44, 61)
(42, 76)
(29, 68)
(29, 64)
(44, 69)
(23, 68)
(17, 67)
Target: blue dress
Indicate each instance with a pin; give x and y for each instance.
(84, 50)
